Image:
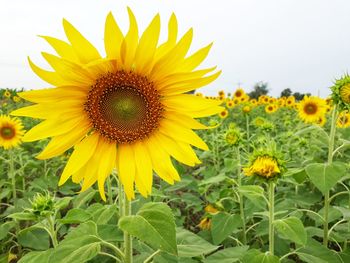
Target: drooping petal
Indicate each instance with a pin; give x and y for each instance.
(83, 151)
(48, 76)
(126, 169)
(144, 173)
(82, 47)
(53, 94)
(184, 120)
(196, 59)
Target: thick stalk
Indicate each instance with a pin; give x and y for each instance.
(271, 217)
(330, 160)
(247, 130)
(109, 190)
(127, 237)
(13, 178)
(52, 230)
(241, 201)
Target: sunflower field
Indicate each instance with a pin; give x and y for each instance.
(122, 159)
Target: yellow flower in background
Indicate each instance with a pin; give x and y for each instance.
(7, 94)
(211, 209)
(311, 109)
(345, 93)
(221, 93)
(11, 132)
(263, 166)
(205, 223)
(271, 108)
(290, 101)
(223, 114)
(128, 110)
(321, 121)
(16, 99)
(254, 102)
(239, 93)
(247, 109)
(343, 120)
(230, 104)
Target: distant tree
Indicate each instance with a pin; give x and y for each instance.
(300, 96)
(286, 92)
(259, 89)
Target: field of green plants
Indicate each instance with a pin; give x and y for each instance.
(292, 206)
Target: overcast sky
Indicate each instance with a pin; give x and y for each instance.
(299, 44)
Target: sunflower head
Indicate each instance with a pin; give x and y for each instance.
(271, 108)
(341, 92)
(221, 93)
(259, 121)
(246, 109)
(223, 114)
(311, 109)
(233, 136)
(211, 209)
(16, 99)
(132, 110)
(343, 120)
(205, 223)
(11, 132)
(239, 93)
(43, 205)
(321, 121)
(266, 164)
(230, 104)
(7, 94)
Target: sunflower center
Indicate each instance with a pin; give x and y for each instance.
(310, 108)
(124, 107)
(7, 133)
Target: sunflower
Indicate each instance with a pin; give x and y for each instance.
(321, 121)
(239, 93)
(230, 104)
(128, 111)
(16, 99)
(247, 109)
(343, 120)
(211, 209)
(223, 114)
(254, 102)
(311, 109)
(263, 166)
(221, 93)
(205, 223)
(290, 101)
(7, 94)
(271, 108)
(11, 132)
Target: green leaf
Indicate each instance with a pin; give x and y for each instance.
(255, 256)
(23, 216)
(190, 245)
(36, 257)
(153, 224)
(325, 176)
(223, 225)
(110, 233)
(310, 258)
(228, 255)
(75, 216)
(5, 228)
(105, 214)
(291, 228)
(318, 251)
(70, 253)
(254, 193)
(34, 238)
(62, 202)
(214, 180)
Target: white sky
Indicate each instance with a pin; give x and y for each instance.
(300, 44)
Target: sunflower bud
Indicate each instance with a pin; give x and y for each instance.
(43, 205)
(233, 136)
(341, 92)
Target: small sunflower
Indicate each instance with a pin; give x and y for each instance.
(7, 94)
(16, 99)
(254, 102)
(259, 121)
(343, 120)
(290, 101)
(223, 114)
(264, 166)
(211, 209)
(129, 110)
(271, 108)
(239, 93)
(205, 223)
(230, 104)
(221, 93)
(247, 109)
(321, 121)
(11, 132)
(311, 109)
(341, 92)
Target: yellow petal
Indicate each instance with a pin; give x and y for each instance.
(169, 62)
(62, 143)
(183, 102)
(130, 42)
(108, 159)
(147, 47)
(189, 85)
(71, 72)
(113, 38)
(53, 94)
(80, 156)
(101, 67)
(171, 41)
(144, 173)
(62, 48)
(50, 128)
(185, 120)
(172, 148)
(126, 169)
(196, 59)
(48, 76)
(82, 47)
(182, 134)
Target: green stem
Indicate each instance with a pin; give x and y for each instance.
(149, 259)
(13, 178)
(271, 217)
(52, 231)
(127, 237)
(241, 200)
(247, 129)
(330, 160)
(109, 190)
